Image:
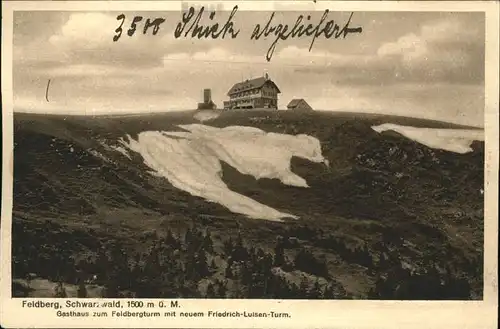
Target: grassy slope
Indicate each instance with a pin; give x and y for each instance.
(433, 203)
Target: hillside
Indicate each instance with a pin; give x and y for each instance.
(386, 215)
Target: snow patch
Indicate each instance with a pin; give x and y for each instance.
(117, 148)
(206, 115)
(99, 155)
(122, 150)
(191, 161)
(452, 140)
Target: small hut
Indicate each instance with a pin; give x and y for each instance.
(299, 104)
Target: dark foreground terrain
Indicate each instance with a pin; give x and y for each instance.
(390, 219)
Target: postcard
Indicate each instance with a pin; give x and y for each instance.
(249, 164)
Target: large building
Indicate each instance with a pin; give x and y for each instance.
(257, 93)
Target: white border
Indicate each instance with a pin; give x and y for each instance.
(331, 314)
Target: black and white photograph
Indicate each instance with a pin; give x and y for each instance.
(210, 153)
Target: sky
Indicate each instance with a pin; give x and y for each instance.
(420, 64)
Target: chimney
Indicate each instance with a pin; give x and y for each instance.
(266, 76)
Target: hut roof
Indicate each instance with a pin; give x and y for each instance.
(294, 102)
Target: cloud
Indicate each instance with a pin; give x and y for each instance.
(448, 41)
(445, 50)
(87, 30)
(441, 52)
(87, 38)
(409, 47)
(79, 70)
(213, 55)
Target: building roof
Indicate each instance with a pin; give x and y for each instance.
(295, 102)
(250, 84)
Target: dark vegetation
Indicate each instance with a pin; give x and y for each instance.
(171, 265)
(390, 218)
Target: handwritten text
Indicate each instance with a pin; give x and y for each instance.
(282, 32)
(191, 26)
(195, 30)
(133, 26)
